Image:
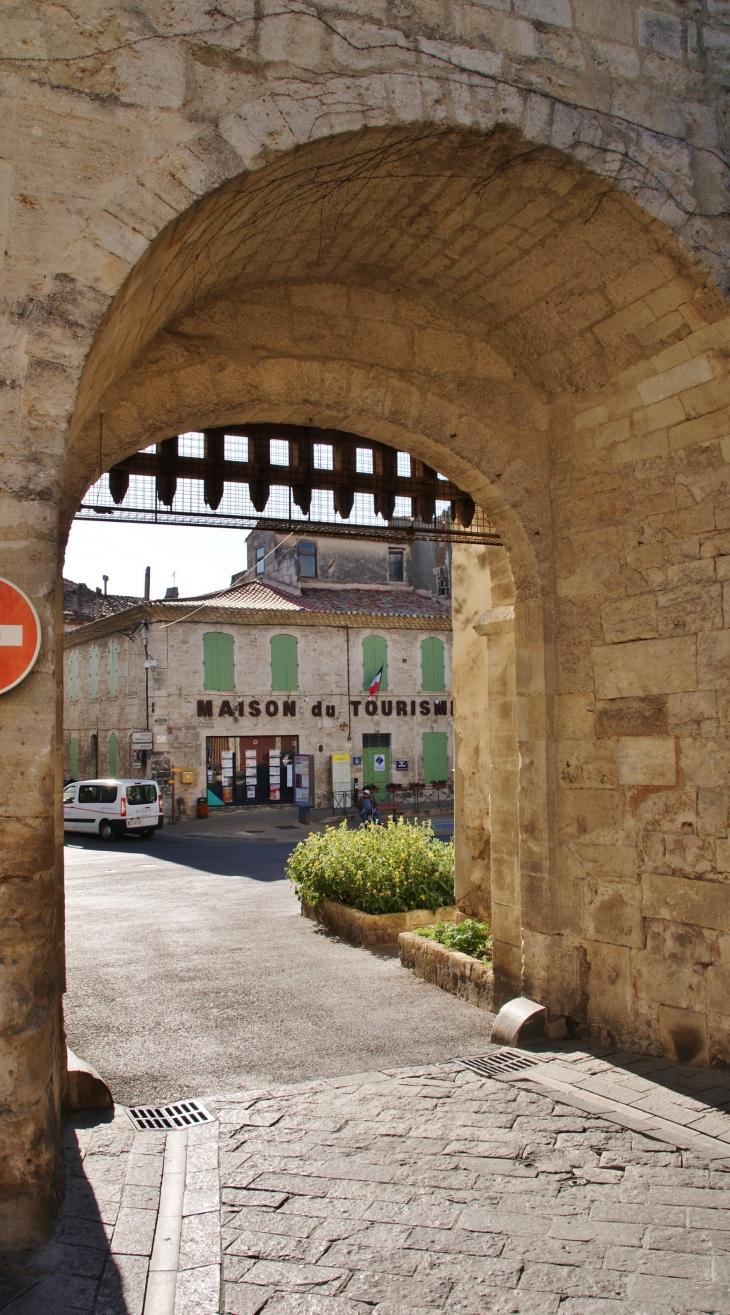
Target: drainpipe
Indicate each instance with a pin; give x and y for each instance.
(349, 706)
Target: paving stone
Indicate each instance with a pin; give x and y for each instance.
(247, 1196)
(682, 1295)
(198, 1291)
(244, 1299)
(351, 1255)
(122, 1287)
(294, 1303)
(200, 1240)
(296, 1278)
(134, 1232)
(275, 1221)
(371, 1287)
(499, 1220)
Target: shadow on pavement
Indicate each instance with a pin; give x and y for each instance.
(259, 860)
(75, 1273)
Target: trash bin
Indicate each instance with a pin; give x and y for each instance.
(202, 806)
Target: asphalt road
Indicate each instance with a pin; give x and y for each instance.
(191, 972)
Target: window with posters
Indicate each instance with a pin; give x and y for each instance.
(251, 769)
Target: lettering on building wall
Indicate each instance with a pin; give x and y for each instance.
(371, 708)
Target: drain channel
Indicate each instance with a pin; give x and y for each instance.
(501, 1062)
(184, 1114)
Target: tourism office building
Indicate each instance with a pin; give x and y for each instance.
(221, 691)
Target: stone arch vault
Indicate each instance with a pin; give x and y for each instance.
(496, 240)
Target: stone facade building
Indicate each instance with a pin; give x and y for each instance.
(233, 684)
(494, 236)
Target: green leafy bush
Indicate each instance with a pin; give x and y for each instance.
(470, 937)
(378, 869)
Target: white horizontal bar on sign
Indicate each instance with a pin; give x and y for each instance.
(11, 636)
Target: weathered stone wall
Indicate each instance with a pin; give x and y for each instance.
(513, 267)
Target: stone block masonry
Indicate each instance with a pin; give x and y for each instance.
(496, 239)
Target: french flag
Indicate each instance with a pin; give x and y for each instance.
(375, 683)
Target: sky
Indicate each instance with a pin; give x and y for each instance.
(197, 559)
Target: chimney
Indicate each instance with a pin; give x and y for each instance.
(105, 578)
(147, 572)
(172, 591)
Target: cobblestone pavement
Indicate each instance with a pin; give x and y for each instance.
(579, 1184)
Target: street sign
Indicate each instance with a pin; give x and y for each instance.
(142, 739)
(20, 635)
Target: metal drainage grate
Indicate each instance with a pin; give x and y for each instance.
(184, 1114)
(499, 1063)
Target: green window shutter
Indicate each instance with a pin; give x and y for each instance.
(432, 666)
(284, 665)
(112, 671)
(435, 756)
(374, 655)
(94, 672)
(113, 755)
(218, 661)
(74, 666)
(73, 758)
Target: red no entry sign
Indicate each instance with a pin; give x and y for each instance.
(20, 635)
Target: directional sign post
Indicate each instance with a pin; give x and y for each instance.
(20, 635)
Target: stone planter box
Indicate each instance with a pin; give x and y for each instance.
(471, 979)
(371, 928)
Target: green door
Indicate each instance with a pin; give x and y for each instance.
(376, 769)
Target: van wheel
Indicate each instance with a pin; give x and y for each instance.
(145, 832)
(106, 831)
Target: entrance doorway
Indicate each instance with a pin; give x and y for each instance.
(250, 769)
(376, 764)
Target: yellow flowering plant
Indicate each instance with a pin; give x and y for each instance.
(378, 869)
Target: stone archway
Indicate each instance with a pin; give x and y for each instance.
(500, 311)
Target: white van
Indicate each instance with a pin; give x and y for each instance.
(111, 808)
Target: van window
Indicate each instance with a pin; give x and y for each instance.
(97, 794)
(141, 794)
(69, 794)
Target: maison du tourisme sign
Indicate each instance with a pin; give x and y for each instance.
(380, 707)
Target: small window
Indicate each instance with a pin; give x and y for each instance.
(94, 672)
(323, 456)
(307, 553)
(74, 673)
(141, 793)
(364, 460)
(284, 664)
(279, 451)
(435, 756)
(69, 794)
(112, 663)
(395, 565)
(191, 444)
(374, 656)
(218, 667)
(260, 564)
(89, 794)
(235, 447)
(107, 794)
(403, 465)
(432, 665)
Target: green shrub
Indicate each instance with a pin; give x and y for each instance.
(470, 937)
(378, 869)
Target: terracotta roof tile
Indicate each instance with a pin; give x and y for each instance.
(264, 596)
